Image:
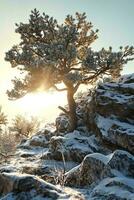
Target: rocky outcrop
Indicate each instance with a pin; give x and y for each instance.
(94, 162)
(111, 113)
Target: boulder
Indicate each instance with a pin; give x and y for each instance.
(89, 171)
(62, 124)
(120, 162)
(96, 167)
(27, 187)
(73, 146)
(38, 140)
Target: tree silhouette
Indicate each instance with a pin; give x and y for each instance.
(51, 54)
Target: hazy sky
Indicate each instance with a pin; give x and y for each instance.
(114, 19)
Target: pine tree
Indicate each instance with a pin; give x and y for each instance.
(51, 53)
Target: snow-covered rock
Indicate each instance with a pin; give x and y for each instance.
(39, 140)
(119, 162)
(27, 187)
(88, 171)
(117, 188)
(62, 124)
(96, 166)
(74, 146)
(111, 113)
(116, 131)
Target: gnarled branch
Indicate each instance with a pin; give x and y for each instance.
(63, 109)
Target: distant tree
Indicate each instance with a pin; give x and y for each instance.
(24, 127)
(50, 54)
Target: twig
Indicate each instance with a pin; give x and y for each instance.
(63, 109)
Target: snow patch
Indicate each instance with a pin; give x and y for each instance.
(104, 124)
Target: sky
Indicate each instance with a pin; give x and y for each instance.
(114, 19)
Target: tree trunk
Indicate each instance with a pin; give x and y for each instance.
(72, 109)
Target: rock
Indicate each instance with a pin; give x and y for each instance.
(38, 140)
(43, 171)
(88, 172)
(62, 124)
(114, 131)
(119, 162)
(117, 188)
(73, 146)
(48, 131)
(27, 186)
(111, 113)
(8, 168)
(97, 166)
(92, 167)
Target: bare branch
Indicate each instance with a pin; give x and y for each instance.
(63, 109)
(100, 71)
(76, 87)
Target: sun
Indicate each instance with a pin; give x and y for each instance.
(42, 104)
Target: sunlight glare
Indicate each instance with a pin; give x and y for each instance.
(42, 104)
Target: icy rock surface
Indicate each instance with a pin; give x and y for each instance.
(110, 177)
(97, 166)
(74, 146)
(111, 112)
(117, 188)
(27, 187)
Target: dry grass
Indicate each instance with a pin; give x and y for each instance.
(59, 174)
(8, 144)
